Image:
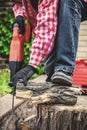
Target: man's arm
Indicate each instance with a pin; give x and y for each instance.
(19, 10)
(44, 32)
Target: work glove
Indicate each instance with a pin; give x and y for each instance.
(20, 21)
(24, 74)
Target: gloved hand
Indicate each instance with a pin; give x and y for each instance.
(24, 74)
(20, 21)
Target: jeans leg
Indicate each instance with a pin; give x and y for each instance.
(50, 62)
(69, 19)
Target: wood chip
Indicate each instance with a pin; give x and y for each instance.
(24, 94)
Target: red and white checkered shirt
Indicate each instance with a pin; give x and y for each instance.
(44, 31)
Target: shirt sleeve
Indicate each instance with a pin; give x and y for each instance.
(19, 9)
(44, 32)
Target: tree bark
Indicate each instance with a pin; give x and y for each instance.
(57, 117)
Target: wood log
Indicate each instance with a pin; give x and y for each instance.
(49, 93)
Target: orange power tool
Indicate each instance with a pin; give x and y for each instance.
(16, 55)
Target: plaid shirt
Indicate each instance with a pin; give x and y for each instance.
(45, 30)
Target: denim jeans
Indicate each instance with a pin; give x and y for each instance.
(63, 56)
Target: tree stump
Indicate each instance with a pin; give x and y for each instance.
(58, 108)
(62, 117)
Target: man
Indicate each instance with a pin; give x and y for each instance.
(62, 67)
(44, 31)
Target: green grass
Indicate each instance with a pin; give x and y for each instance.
(4, 79)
